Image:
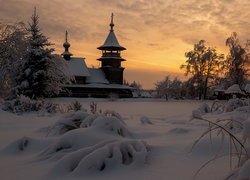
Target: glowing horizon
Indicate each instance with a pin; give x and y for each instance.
(156, 33)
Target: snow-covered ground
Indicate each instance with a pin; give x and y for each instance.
(26, 147)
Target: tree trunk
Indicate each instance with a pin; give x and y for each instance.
(205, 88)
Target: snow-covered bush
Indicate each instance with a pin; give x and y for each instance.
(237, 128)
(68, 122)
(112, 124)
(217, 106)
(204, 108)
(22, 104)
(76, 106)
(93, 107)
(110, 121)
(101, 157)
(233, 104)
(111, 113)
(88, 144)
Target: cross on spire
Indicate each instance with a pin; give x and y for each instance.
(112, 22)
(66, 36)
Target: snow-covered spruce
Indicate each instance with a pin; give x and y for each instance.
(41, 74)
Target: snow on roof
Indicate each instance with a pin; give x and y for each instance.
(78, 67)
(247, 88)
(96, 76)
(111, 42)
(234, 89)
(219, 88)
(97, 85)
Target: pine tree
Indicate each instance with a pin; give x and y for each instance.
(34, 80)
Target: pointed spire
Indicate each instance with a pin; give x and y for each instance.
(66, 54)
(112, 22)
(66, 36)
(111, 42)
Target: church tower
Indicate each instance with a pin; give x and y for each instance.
(66, 54)
(111, 57)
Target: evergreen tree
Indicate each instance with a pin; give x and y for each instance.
(36, 78)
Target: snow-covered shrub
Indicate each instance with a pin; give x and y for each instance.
(101, 157)
(145, 120)
(112, 124)
(87, 144)
(204, 108)
(88, 121)
(217, 106)
(76, 106)
(232, 104)
(82, 119)
(68, 122)
(237, 128)
(51, 107)
(113, 96)
(111, 113)
(22, 104)
(93, 107)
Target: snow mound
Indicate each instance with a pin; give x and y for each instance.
(196, 114)
(85, 143)
(101, 157)
(233, 104)
(25, 145)
(145, 120)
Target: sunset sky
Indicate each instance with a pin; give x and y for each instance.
(156, 33)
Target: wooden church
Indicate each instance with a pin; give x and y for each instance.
(106, 81)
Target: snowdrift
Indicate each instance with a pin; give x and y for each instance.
(83, 144)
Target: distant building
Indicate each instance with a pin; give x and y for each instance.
(106, 81)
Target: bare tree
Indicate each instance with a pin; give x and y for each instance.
(237, 61)
(204, 64)
(13, 45)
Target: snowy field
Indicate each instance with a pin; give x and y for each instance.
(29, 151)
